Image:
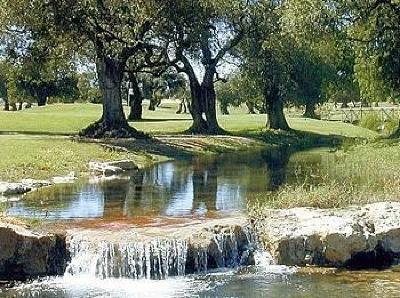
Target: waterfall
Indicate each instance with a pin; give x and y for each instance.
(160, 258)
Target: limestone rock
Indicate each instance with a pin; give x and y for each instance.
(7, 189)
(112, 168)
(35, 184)
(70, 178)
(24, 254)
(359, 237)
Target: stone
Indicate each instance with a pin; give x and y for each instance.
(70, 178)
(112, 168)
(362, 237)
(125, 165)
(24, 254)
(35, 184)
(8, 189)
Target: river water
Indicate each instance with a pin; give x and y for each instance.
(199, 188)
(179, 192)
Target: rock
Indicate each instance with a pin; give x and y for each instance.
(70, 178)
(356, 237)
(8, 189)
(24, 254)
(125, 165)
(35, 184)
(112, 168)
(169, 251)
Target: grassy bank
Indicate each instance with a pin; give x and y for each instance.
(363, 174)
(32, 143)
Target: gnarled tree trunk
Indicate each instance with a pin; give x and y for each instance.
(210, 100)
(276, 116)
(135, 100)
(113, 122)
(199, 124)
(204, 104)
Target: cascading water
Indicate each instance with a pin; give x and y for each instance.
(160, 258)
(156, 259)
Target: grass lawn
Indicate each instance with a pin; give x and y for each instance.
(64, 119)
(32, 146)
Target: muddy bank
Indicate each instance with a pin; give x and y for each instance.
(358, 237)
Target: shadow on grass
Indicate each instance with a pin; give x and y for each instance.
(296, 138)
(157, 120)
(37, 133)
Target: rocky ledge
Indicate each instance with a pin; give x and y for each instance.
(156, 253)
(356, 237)
(25, 254)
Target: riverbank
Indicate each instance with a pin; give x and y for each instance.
(355, 175)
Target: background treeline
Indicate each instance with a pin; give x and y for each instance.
(265, 55)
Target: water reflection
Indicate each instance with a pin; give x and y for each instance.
(200, 188)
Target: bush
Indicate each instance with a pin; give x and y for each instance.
(372, 121)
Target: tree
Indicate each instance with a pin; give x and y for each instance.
(112, 31)
(117, 30)
(264, 53)
(135, 98)
(240, 89)
(201, 33)
(3, 85)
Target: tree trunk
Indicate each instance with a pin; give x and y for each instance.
(276, 115)
(365, 104)
(135, 100)
(182, 109)
(224, 109)
(113, 122)
(345, 104)
(6, 104)
(153, 102)
(210, 100)
(310, 110)
(250, 107)
(20, 106)
(199, 125)
(41, 98)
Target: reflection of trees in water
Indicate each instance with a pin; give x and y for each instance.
(277, 163)
(205, 185)
(178, 188)
(115, 195)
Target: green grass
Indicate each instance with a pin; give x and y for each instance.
(364, 174)
(70, 119)
(45, 157)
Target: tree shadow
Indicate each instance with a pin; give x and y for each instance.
(158, 120)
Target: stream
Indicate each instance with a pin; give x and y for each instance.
(174, 195)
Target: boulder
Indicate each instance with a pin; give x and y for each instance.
(362, 237)
(24, 254)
